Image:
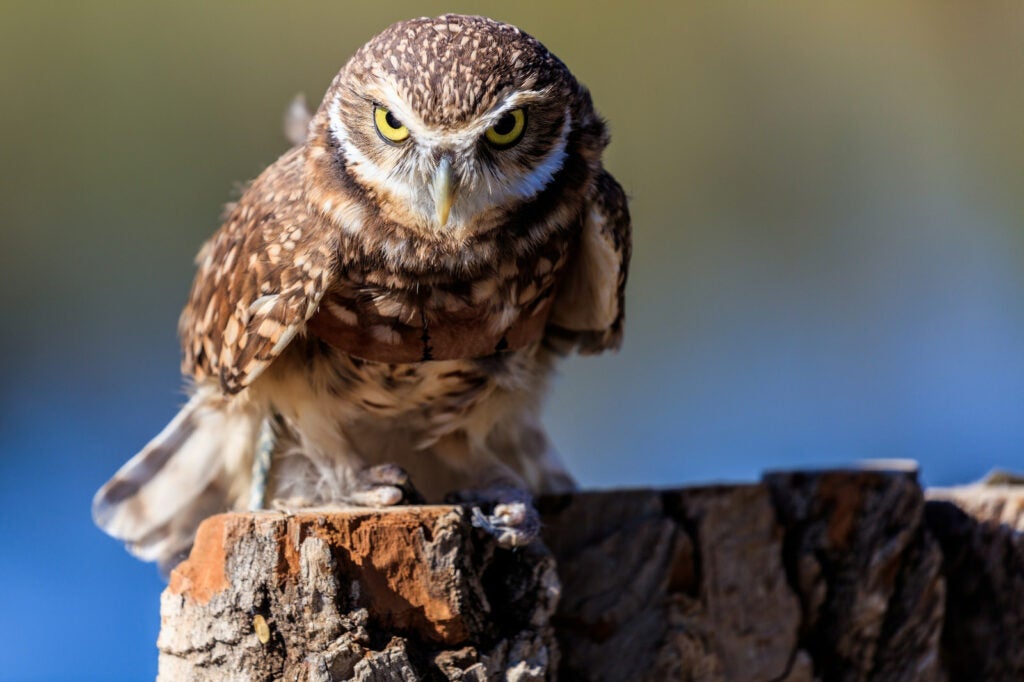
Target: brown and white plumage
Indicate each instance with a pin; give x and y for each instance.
(371, 301)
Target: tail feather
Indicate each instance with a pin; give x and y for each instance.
(169, 544)
(189, 471)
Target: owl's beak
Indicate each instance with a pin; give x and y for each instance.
(444, 190)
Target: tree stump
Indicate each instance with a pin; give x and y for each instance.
(840, 575)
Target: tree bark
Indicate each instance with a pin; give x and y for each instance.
(843, 575)
(979, 529)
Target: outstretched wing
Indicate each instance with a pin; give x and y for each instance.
(260, 278)
(590, 306)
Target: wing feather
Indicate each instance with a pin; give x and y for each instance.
(260, 278)
(589, 309)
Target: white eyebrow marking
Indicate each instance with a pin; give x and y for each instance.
(540, 176)
(407, 182)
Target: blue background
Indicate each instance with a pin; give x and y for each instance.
(829, 260)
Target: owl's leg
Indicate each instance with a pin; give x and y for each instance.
(261, 462)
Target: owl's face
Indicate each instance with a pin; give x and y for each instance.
(449, 123)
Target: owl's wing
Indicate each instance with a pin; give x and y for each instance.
(260, 278)
(590, 305)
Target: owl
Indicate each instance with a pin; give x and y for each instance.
(377, 320)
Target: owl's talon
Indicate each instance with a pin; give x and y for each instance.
(389, 474)
(384, 485)
(290, 505)
(377, 496)
(512, 525)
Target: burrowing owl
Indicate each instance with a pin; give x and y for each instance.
(385, 302)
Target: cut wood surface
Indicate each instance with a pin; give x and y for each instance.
(838, 575)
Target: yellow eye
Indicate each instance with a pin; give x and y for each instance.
(509, 128)
(389, 127)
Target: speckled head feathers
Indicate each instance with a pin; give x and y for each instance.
(453, 68)
(447, 82)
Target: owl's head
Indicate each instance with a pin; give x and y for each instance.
(444, 125)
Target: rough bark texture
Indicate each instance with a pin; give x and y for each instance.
(393, 594)
(979, 528)
(831, 575)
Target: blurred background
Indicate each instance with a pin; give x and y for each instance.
(829, 256)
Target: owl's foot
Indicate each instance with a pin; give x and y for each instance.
(512, 519)
(512, 525)
(291, 505)
(384, 485)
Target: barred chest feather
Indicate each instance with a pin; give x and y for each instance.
(386, 315)
(427, 367)
(337, 411)
(422, 395)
